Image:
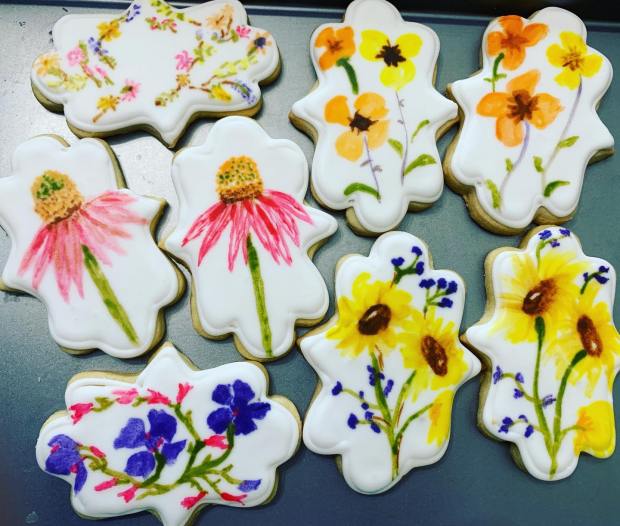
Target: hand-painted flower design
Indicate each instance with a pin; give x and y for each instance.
(339, 46)
(158, 442)
(596, 431)
(518, 108)
(222, 20)
(249, 209)
(184, 61)
(65, 458)
(130, 90)
(514, 39)
(77, 234)
(239, 411)
(398, 69)
(572, 56)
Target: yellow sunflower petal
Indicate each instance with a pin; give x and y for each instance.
(372, 42)
(398, 77)
(596, 434)
(409, 44)
(440, 414)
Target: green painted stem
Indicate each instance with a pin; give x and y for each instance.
(110, 300)
(542, 420)
(259, 295)
(346, 65)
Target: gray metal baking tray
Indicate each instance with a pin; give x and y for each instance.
(475, 483)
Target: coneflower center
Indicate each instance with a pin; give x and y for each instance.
(572, 60)
(391, 55)
(374, 320)
(590, 338)
(238, 179)
(360, 123)
(538, 299)
(435, 355)
(521, 106)
(55, 196)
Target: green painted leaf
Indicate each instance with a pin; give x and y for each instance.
(496, 196)
(568, 142)
(360, 187)
(423, 123)
(397, 146)
(422, 160)
(509, 165)
(553, 186)
(538, 164)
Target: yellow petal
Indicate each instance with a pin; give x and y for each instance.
(409, 44)
(591, 65)
(372, 42)
(573, 42)
(568, 78)
(555, 55)
(397, 77)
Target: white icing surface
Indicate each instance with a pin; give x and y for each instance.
(149, 57)
(224, 299)
(331, 173)
(479, 156)
(488, 337)
(143, 279)
(254, 456)
(366, 457)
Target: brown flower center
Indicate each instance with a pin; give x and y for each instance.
(238, 179)
(55, 196)
(590, 338)
(435, 355)
(391, 55)
(521, 106)
(513, 41)
(538, 299)
(573, 60)
(374, 320)
(334, 45)
(360, 123)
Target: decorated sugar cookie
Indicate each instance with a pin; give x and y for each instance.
(374, 116)
(154, 67)
(553, 352)
(529, 124)
(389, 363)
(170, 440)
(82, 244)
(244, 232)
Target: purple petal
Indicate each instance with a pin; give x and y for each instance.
(244, 424)
(80, 477)
(63, 441)
(171, 451)
(219, 420)
(162, 424)
(61, 461)
(258, 410)
(132, 435)
(243, 393)
(249, 485)
(222, 395)
(140, 464)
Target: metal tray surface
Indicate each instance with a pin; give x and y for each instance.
(476, 482)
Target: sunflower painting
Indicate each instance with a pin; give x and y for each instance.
(554, 352)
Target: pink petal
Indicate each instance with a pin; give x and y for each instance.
(45, 256)
(38, 242)
(238, 233)
(208, 216)
(214, 233)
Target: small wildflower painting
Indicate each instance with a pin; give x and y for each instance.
(389, 362)
(208, 60)
(172, 440)
(376, 113)
(523, 142)
(244, 232)
(553, 352)
(78, 241)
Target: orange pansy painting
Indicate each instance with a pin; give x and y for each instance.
(337, 43)
(519, 107)
(513, 40)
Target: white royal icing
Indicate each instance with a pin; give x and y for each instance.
(225, 295)
(517, 408)
(124, 258)
(99, 442)
(155, 66)
(394, 146)
(546, 167)
(425, 307)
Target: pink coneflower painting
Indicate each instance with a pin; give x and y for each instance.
(130, 90)
(78, 234)
(249, 209)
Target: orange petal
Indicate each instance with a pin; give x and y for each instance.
(377, 134)
(546, 109)
(513, 57)
(534, 33)
(526, 82)
(493, 105)
(337, 111)
(511, 23)
(349, 145)
(324, 37)
(509, 131)
(494, 43)
(347, 45)
(327, 60)
(371, 105)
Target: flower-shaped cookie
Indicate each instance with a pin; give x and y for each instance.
(154, 67)
(171, 440)
(82, 244)
(553, 351)
(530, 125)
(389, 364)
(244, 233)
(374, 116)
